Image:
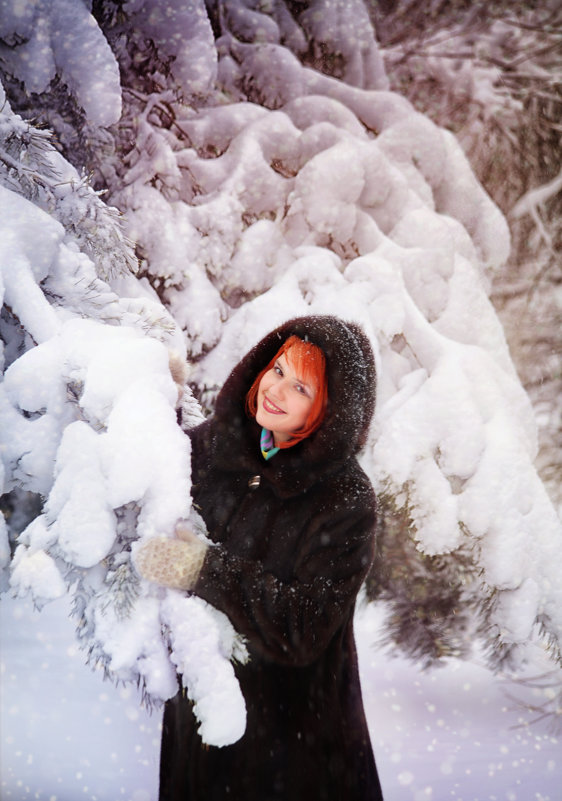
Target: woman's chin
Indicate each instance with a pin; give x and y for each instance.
(266, 419)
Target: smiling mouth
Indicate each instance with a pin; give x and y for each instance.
(271, 407)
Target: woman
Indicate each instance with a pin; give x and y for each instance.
(292, 517)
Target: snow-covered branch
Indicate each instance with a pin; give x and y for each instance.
(88, 427)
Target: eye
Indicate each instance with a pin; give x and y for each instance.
(277, 369)
(303, 390)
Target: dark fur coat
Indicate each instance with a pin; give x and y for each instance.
(291, 555)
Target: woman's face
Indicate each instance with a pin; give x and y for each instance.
(284, 400)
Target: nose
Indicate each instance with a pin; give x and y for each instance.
(278, 390)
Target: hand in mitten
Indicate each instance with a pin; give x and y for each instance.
(175, 563)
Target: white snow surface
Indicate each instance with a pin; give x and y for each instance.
(452, 733)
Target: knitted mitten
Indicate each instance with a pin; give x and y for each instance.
(174, 563)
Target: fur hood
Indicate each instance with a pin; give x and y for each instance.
(351, 399)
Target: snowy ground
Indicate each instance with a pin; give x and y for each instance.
(66, 735)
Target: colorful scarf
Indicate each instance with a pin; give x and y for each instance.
(267, 445)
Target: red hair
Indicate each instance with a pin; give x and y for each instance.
(309, 363)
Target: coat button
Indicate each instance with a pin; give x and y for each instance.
(254, 482)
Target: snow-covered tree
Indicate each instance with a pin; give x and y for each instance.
(264, 170)
(92, 456)
(490, 72)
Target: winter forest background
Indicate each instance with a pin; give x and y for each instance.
(178, 178)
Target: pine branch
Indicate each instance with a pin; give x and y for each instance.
(550, 709)
(123, 590)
